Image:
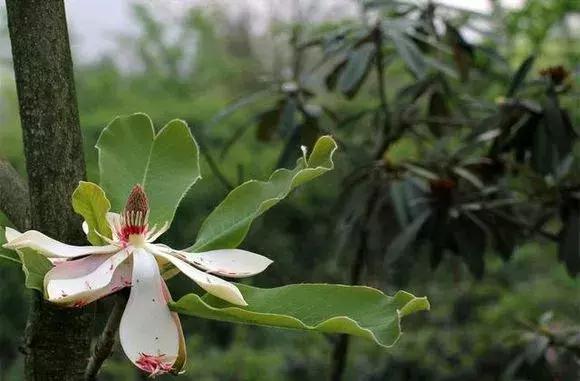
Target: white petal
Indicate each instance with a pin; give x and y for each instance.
(82, 281)
(232, 263)
(212, 284)
(85, 227)
(114, 220)
(148, 330)
(182, 356)
(50, 247)
(11, 234)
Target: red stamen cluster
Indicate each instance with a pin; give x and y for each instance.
(558, 74)
(154, 365)
(135, 214)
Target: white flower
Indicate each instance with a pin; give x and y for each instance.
(150, 333)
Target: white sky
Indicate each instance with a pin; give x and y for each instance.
(94, 24)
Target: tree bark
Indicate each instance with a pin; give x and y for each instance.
(57, 341)
(14, 198)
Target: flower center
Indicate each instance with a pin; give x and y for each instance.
(154, 365)
(134, 219)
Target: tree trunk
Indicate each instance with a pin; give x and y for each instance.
(57, 341)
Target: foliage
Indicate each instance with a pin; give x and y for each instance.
(473, 88)
(359, 311)
(166, 164)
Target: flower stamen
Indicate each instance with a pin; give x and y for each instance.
(154, 365)
(135, 217)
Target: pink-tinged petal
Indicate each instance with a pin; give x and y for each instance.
(212, 284)
(49, 247)
(149, 334)
(231, 263)
(82, 281)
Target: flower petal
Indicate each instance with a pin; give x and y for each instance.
(82, 281)
(212, 284)
(114, 220)
(150, 336)
(11, 234)
(50, 247)
(232, 263)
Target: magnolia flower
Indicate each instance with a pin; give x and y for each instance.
(149, 332)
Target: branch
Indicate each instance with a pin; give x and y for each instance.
(104, 345)
(530, 228)
(14, 198)
(211, 162)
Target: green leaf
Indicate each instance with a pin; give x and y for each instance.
(471, 243)
(354, 310)
(409, 53)
(35, 266)
(356, 70)
(166, 164)
(267, 123)
(520, 75)
(555, 122)
(89, 201)
(406, 238)
(569, 245)
(438, 110)
(397, 192)
(332, 77)
(6, 255)
(230, 221)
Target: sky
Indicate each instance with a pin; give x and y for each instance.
(94, 24)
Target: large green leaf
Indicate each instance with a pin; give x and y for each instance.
(166, 164)
(89, 201)
(354, 310)
(230, 221)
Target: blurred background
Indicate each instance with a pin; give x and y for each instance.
(458, 174)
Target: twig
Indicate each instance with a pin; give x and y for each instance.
(441, 120)
(211, 162)
(340, 350)
(104, 345)
(531, 228)
(380, 70)
(14, 199)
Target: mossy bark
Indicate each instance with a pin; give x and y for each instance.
(57, 341)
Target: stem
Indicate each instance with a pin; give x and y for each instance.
(531, 228)
(380, 72)
(104, 345)
(340, 351)
(57, 341)
(211, 162)
(14, 199)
